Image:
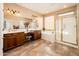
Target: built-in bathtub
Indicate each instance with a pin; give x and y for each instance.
(48, 35)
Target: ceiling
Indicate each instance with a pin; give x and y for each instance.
(44, 8)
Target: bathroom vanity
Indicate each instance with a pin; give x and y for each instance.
(15, 39)
(12, 40)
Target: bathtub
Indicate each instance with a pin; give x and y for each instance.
(48, 35)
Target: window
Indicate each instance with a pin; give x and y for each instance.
(49, 23)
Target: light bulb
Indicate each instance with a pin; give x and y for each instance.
(65, 6)
(11, 12)
(18, 14)
(8, 10)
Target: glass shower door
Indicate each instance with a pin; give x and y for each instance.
(69, 29)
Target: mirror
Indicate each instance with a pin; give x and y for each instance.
(16, 22)
(19, 23)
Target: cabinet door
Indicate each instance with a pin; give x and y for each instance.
(20, 39)
(17, 41)
(8, 43)
(37, 35)
(5, 44)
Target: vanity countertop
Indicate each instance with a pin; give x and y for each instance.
(18, 30)
(13, 31)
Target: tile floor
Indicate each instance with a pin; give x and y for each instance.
(42, 48)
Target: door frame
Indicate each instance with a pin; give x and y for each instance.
(62, 31)
(61, 18)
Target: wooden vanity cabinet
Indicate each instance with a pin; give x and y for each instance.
(37, 34)
(13, 40)
(20, 39)
(8, 43)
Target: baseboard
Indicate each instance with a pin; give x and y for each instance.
(75, 46)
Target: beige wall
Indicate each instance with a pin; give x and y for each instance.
(25, 13)
(40, 22)
(73, 8)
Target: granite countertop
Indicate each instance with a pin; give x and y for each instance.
(17, 30)
(13, 31)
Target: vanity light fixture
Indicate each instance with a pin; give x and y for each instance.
(13, 12)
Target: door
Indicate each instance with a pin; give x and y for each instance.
(69, 29)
